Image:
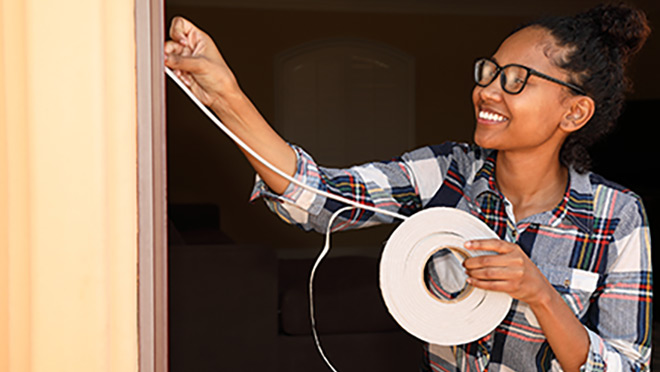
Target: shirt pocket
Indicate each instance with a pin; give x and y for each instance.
(575, 286)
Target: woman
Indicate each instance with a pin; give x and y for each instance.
(574, 250)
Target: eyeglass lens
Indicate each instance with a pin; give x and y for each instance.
(513, 77)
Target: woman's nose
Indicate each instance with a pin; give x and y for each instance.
(492, 91)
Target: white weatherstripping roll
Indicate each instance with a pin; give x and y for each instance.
(442, 322)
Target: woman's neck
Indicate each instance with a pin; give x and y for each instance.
(532, 184)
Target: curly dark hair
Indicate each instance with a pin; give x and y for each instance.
(599, 41)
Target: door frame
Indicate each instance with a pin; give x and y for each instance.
(152, 187)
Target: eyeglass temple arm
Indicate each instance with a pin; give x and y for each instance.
(555, 80)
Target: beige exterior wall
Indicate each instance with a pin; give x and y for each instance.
(68, 215)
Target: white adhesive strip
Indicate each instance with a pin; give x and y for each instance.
(265, 162)
(442, 322)
(319, 258)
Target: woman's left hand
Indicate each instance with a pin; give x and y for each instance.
(509, 270)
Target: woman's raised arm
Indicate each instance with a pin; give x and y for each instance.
(195, 59)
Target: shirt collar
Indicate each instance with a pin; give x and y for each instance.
(484, 180)
(576, 206)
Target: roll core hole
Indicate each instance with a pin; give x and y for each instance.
(444, 275)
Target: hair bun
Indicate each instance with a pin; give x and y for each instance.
(627, 27)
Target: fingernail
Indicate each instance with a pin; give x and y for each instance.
(468, 244)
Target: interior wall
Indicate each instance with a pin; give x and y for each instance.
(204, 166)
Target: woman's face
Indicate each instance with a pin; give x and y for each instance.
(528, 121)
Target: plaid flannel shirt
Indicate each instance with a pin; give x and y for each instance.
(594, 248)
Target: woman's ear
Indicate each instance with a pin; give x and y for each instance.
(581, 109)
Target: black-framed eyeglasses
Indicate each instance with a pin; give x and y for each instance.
(513, 77)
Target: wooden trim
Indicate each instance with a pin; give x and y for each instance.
(152, 198)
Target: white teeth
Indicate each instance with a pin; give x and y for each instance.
(491, 116)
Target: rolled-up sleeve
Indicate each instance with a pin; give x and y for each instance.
(295, 204)
(387, 185)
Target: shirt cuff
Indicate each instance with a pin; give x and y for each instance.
(595, 358)
(307, 172)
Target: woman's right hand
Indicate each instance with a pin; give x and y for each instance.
(195, 59)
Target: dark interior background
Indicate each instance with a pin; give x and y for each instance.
(205, 167)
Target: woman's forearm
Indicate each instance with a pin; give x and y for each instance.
(239, 114)
(566, 336)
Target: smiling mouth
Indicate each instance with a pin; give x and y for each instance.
(491, 117)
